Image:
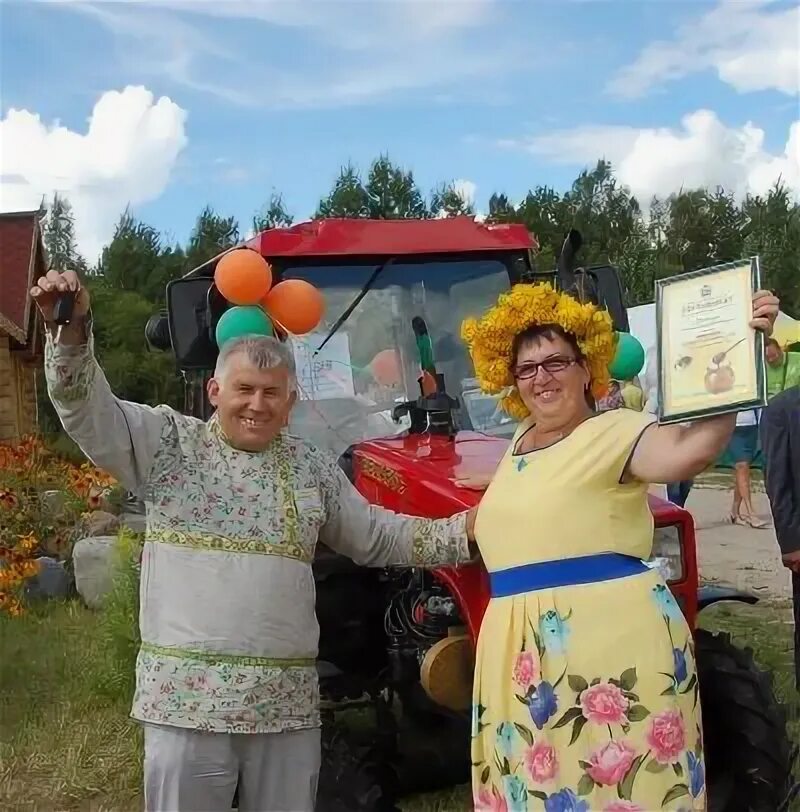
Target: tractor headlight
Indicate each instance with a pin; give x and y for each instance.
(667, 556)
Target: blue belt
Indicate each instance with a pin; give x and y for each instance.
(587, 569)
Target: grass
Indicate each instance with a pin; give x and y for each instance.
(67, 743)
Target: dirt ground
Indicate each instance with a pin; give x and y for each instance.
(741, 557)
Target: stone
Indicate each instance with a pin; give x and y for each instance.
(100, 523)
(53, 502)
(51, 582)
(135, 522)
(94, 561)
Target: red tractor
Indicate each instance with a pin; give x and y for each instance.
(398, 643)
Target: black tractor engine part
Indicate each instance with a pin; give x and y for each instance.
(430, 414)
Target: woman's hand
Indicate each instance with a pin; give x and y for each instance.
(675, 453)
(766, 307)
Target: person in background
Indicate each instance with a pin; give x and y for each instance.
(632, 395)
(742, 449)
(783, 368)
(776, 368)
(612, 399)
(677, 492)
(780, 439)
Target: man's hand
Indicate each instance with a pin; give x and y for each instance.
(792, 561)
(471, 516)
(46, 293)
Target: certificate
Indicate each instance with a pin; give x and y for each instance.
(710, 361)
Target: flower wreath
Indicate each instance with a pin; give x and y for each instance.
(491, 337)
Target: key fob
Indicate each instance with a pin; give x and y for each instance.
(65, 304)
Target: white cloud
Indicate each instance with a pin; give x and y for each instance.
(703, 152)
(359, 51)
(126, 156)
(751, 44)
(466, 188)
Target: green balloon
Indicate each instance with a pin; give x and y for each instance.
(629, 359)
(242, 321)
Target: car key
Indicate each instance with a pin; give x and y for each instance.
(62, 312)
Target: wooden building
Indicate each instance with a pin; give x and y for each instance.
(22, 261)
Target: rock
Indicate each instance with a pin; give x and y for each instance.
(135, 522)
(53, 502)
(52, 581)
(100, 523)
(93, 560)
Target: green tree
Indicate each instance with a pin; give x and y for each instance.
(501, 210)
(545, 214)
(447, 201)
(133, 371)
(605, 213)
(212, 234)
(132, 260)
(348, 198)
(59, 236)
(272, 215)
(772, 231)
(392, 192)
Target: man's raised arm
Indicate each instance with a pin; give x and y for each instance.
(118, 436)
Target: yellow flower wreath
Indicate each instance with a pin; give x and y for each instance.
(491, 337)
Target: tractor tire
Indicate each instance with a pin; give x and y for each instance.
(354, 776)
(749, 758)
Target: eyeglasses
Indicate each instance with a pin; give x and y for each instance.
(552, 366)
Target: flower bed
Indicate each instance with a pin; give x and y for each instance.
(43, 499)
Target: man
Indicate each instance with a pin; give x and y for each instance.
(780, 439)
(226, 682)
(677, 492)
(783, 368)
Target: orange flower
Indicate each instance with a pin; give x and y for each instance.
(27, 543)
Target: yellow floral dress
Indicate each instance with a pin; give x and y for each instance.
(586, 692)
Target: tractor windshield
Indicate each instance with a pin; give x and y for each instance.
(348, 389)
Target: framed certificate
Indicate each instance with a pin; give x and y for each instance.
(710, 361)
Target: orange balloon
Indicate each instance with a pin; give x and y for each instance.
(295, 306)
(385, 368)
(243, 276)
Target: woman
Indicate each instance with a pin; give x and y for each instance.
(742, 450)
(585, 691)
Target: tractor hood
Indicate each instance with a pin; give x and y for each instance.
(421, 471)
(418, 474)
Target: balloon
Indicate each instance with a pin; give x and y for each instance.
(243, 276)
(242, 321)
(385, 368)
(295, 306)
(629, 358)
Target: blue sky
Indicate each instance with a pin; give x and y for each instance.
(224, 101)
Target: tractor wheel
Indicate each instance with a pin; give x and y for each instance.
(354, 775)
(749, 758)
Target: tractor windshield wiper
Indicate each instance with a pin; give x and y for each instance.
(356, 302)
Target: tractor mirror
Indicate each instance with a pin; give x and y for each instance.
(192, 316)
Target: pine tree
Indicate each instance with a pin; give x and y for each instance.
(59, 236)
(212, 234)
(273, 215)
(392, 193)
(348, 198)
(447, 201)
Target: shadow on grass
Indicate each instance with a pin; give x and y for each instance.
(65, 746)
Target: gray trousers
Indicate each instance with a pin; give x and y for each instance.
(193, 771)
